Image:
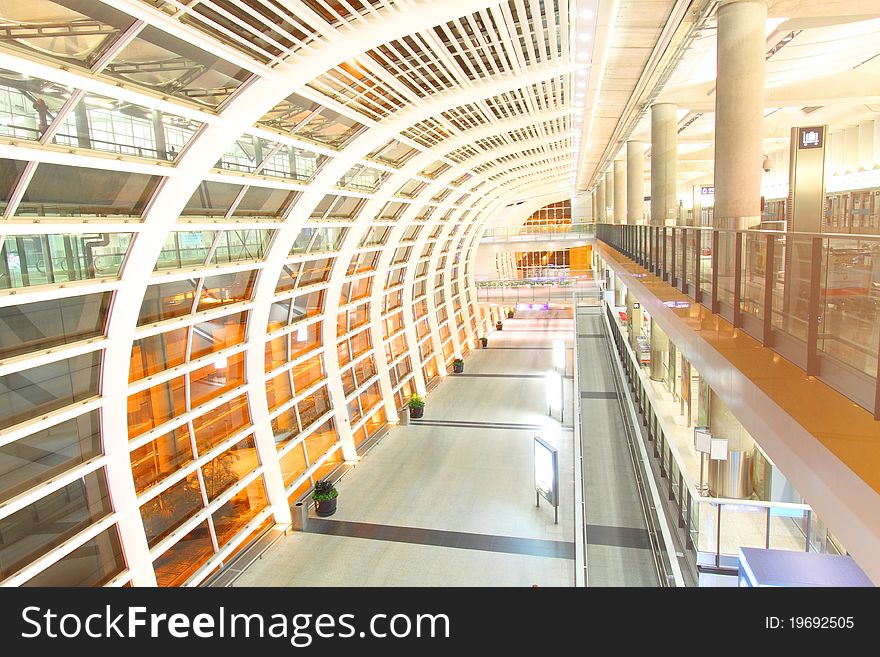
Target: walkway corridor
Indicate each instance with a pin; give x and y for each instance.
(450, 501)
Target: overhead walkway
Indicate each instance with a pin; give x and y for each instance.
(450, 500)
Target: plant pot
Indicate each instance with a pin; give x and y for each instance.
(509, 314)
(484, 342)
(325, 508)
(458, 369)
(416, 413)
(498, 326)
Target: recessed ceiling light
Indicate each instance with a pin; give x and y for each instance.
(587, 13)
(581, 84)
(582, 71)
(584, 55)
(585, 36)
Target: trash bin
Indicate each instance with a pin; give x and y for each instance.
(300, 516)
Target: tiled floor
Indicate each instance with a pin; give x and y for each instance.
(450, 502)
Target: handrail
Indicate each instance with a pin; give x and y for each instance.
(581, 575)
(630, 421)
(557, 230)
(809, 279)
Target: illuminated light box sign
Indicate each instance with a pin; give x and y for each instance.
(811, 137)
(677, 304)
(707, 191)
(546, 471)
(533, 306)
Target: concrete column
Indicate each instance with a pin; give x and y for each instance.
(581, 208)
(600, 201)
(664, 155)
(609, 196)
(866, 145)
(83, 129)
(595, 212)
(635, 182)
(159, 135)
(739, 111)
(620, 199)
(851, 156)
(838, 152)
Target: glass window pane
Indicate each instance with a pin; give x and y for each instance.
(218, 334)
(211, 199)
(186, 71)
(300, 116)
(276, 352)
(46, 324)
(167, 300)
(236, 513)
(215, 426)
(265, 202)
(185, 249)
(47, 523)
(81, 30)
(278, 390)
(229, 468)
(293, 465)
(304, 339)
(156, 460)
(157, 353)
(44, 259)
(150, 408)
(308, 373)
(213, 380)
(107, 124)
(29, 105)
(313, 406)
(185, 557)
(320, 440)
(171, 508)
(48, 387)
(285, 427)
(225, 289)
(92, 564)
(46, 454)
(72, 191)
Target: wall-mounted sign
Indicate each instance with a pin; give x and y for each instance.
(546, 471)
(707, 191)
(637, 305)
(811, 137)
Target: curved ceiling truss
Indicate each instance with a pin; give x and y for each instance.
(249, 156)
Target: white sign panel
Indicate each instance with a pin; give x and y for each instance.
(546, 471)
(702, 440)
(718, 450)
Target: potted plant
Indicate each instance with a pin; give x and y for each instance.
(509, 314)
(458, 365)
(416, 405)
(484, 341)
(498, 325)
(325, 495)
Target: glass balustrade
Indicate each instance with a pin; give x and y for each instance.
(814, 298)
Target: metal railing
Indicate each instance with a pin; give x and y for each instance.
(713, 527)
(812, 298)
(530, 233)
(561, 289)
